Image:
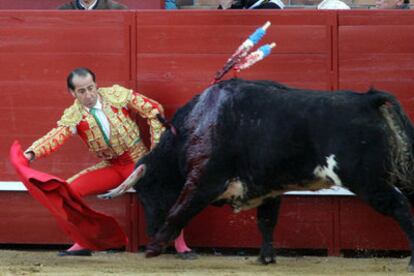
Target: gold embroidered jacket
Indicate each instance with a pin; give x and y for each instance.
(117, 102)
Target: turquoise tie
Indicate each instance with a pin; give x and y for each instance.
(93, 112)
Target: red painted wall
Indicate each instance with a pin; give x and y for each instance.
(171, 56)
(377, 49)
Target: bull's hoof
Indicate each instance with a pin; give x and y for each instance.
(266, 260)
(152, 253)
(153, 250)
(267, 254)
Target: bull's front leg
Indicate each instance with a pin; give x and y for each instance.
(196, 195)
(267, 215)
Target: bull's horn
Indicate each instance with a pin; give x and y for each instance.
(126, 185)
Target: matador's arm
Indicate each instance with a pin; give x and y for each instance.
(49, 143)
(55, 138)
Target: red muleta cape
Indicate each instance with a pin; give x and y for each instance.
(90, 229)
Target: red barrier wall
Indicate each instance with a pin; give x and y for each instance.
(171, 56)
(178, 54)
(377, 50)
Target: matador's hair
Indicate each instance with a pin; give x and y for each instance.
(82, 72)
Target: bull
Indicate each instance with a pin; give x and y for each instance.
(245, 143)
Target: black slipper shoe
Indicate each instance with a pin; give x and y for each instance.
(81, 252)
(188, 255)
(114, 251)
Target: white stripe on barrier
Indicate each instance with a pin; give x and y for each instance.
(335, 191)
(16, 186)
(12, 186)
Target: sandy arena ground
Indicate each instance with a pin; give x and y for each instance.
(25, 262)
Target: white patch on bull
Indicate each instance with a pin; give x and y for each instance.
(235, 190)
(235, 194)
(255, 202)
(327, 173)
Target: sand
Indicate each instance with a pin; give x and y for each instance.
(26, 262)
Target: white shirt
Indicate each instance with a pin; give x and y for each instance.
(333, 5)
(90, 7)
(102, 118)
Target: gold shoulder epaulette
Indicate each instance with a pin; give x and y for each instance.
(71, 116)
(117, 95)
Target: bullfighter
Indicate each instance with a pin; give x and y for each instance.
(102, 118)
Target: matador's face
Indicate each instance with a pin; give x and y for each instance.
(85, 90)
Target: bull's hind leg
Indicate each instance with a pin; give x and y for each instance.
(390, 201)
(267, 215)
(196, 195)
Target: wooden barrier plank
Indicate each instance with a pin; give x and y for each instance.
(40, 47)
(304, 222)
(375, 18)
(251, 18)
(62, 19)
(30, 223)
(369, 39)
(376, 67)
(364, 228)
(376, 51)
(219, 39)
(64, 38)
(30, 67)
(286, 68)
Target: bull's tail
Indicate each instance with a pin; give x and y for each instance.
(400, 140)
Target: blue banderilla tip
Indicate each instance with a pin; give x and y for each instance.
(257, 35)
(266, 49)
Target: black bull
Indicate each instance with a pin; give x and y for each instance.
(247, 142)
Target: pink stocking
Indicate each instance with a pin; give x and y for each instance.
(75, 247)
(180, 244)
